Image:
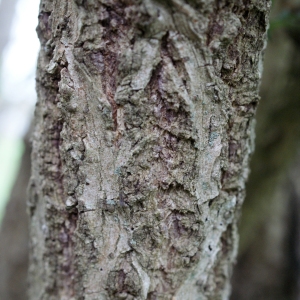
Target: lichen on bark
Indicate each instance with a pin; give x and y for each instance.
(143, 133)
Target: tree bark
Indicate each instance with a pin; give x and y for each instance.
(144, 127)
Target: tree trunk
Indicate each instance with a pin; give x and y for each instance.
(144, 127)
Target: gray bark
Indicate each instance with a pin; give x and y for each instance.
(144, 127)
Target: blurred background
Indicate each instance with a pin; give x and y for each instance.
(18, 54)
(268, 265)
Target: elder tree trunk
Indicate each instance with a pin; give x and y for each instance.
(144, 127)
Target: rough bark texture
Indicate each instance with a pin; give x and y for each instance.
(144, 126)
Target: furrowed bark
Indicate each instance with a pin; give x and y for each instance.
(144, 127)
